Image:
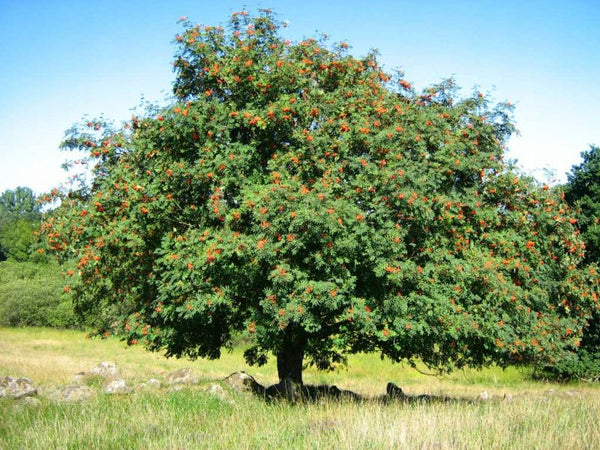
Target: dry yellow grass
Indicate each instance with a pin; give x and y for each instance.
(539, 415)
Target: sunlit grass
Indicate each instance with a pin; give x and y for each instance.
(51, 356)
(540, 415)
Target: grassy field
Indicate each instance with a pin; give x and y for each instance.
(539, 415)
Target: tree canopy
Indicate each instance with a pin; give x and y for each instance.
(20, 216)
(322, 206)
(583, 193)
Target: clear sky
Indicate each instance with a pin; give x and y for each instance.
(63, 59)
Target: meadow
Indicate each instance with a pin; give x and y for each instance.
(521, 413)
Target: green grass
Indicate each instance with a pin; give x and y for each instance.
(541, 415)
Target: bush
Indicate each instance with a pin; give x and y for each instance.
(32, 295)
(583, 364)
(582, 193)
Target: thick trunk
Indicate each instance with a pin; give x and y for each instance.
(289, 367)
(289, 359)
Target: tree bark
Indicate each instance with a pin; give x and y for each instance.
(290, 358)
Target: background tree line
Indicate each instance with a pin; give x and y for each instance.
(31, 284)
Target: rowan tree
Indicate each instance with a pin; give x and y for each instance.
(308, 198)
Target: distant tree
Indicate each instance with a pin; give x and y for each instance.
(308, 198)
(20, 203)
(20, 216)
(582, 192)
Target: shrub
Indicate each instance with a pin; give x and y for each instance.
(584, 364)
(32, 295)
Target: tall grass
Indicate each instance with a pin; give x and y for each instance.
(540, 415)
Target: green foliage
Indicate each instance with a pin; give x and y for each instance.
(324, 207)
(20, 217)
(19, 204)
(581, 365)
(17, 239)
(32, 295)
(582, 192)
(30, 289)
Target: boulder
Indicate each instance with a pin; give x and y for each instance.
(286, 389)
(80, 377)
(242, 382)
(106, 369)
(13, 387)
(117, 387)
(154, 383)
(183, 376)
(350, 395)
(216, 391)
(395, 392)
(73, 393)
(320, 391)
(484, 396)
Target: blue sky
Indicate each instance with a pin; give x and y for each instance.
(61, 60)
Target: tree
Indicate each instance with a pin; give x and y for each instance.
(20, 203)
(20, 216)
(582, 193)
(311, 200)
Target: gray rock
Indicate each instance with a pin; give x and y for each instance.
(217, 391)
(484, 396)
(154, 383)
(285, 389)
(13, 387)
(80, 377)
(106, 369)
(242, 382)
(183, 376)
(394, 391)
(74, 393)
(117, 387)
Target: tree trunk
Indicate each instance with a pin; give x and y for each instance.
(289, 363)
(289, 366)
